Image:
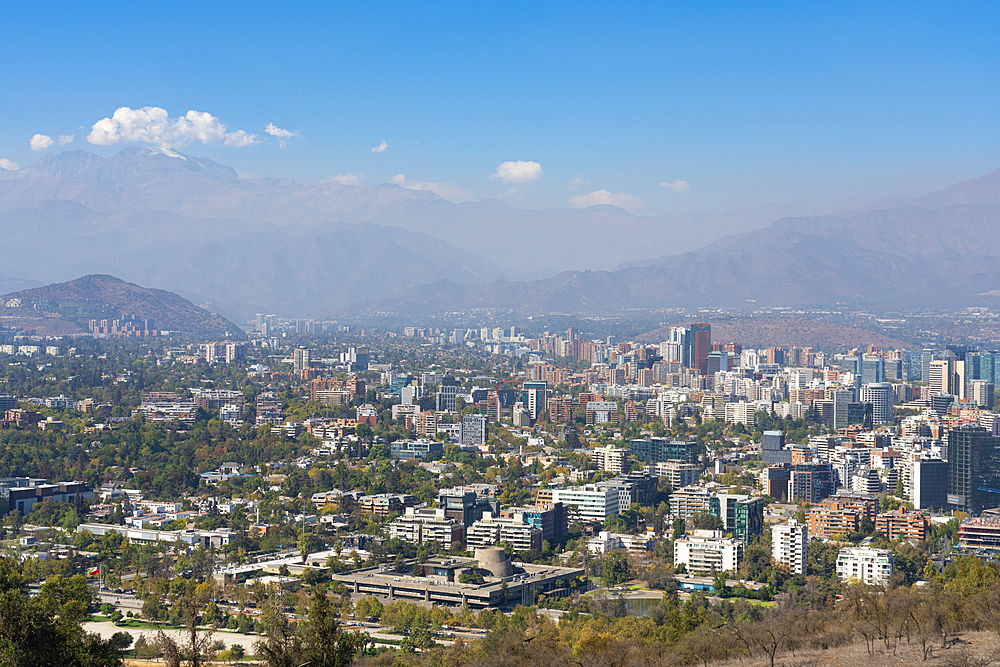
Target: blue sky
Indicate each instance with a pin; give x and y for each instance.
(732, 104)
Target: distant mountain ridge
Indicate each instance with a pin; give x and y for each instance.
(942, 254)
(76, 212)
(107, 297)
(246, 245)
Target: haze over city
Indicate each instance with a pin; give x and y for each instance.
(499, 335)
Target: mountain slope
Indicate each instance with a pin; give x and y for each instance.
(107, 297)
(910, 256)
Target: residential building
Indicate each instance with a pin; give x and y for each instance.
(688, 501)
(492, 530)
(473, 431)
(707, 552)
(588, 503)
(790, 544)
(866, 565)
(903, 525)
(427, 524)
(611, 459)
(677, 474)
(660, 450)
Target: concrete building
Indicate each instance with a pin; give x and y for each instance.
(880, 395)
(865, 565)
(588, 503)
(513, 529)
(611, 459)
(903, 525)
(677, 474)
(706, 551)
(790, 544)
(427, 524)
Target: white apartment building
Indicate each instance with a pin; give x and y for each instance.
(611, 459)
(678, 474)
(588, 503)
(865, 564)
(490, 531)
(789, 545)
(426, 524)
(706, 551)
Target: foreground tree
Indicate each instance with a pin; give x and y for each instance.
(46, 630)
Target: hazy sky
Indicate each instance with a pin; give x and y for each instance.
(661, 107)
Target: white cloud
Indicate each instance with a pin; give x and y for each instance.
(344, 179)
(66, 139)
(8, 165)
(40, 142)
(598, 197)
(381, 147)
(448, 191)
(577, 181)
(152, 125)
(676, 186)
(283, 135)
(518, 171)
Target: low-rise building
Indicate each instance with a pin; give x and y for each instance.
(903, 524)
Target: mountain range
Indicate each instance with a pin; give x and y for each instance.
(241, 245)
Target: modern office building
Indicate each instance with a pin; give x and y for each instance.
(772, 448)
(659, 450)
(880, 395)
(929, 484)
(741, 515)
(533, 398)
(973, 469)
(701, 345)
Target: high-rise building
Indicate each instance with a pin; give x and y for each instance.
(982, 393)
(973, 469)
(789, 545)
(880, 395)
(929, 484)
(533, 398)
(772, 448)
(872, 369)
(300, 359)
(701, 345)
(841, 399)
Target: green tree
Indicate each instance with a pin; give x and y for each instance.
(614, 568)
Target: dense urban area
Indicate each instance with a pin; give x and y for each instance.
(307, 492)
